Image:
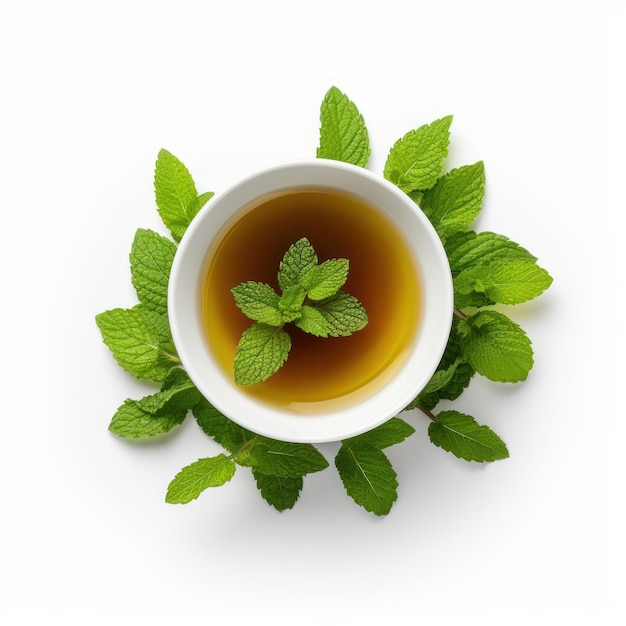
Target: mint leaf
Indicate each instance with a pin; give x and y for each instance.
(175, 194)
(343, 313)
(312, 321)
(297, 261)
(259, 302)
(281, 458)
(343, 136)
(455, 200)
(368, 477)
(470, 249)
(290, 303)
(416, 160)
(281, 492)
(496, 346)
(388, 434)
(227, 433)
(325, 280)
(131, 421)
(261, 352)
(177, 392)
(140, 341)
(507, 281)
(197, 203)
(460, 434)
(151, 258)
(192, 480)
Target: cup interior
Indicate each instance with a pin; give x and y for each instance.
(339, 421)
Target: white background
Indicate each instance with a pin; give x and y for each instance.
(91, 92)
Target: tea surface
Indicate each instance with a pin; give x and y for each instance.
(320, 373)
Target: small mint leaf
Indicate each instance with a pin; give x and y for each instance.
(290, 303)
(261, 352)
(131, 421)
(325, 280)
(151, 258)
(312, 321)
(192, 480)
(343, 135)
(496, 346)
(507, 281)
(297, 261)
(281, 458)
(455, 200)
(281, 492)
(368, 477)
(225, 432)
(343, 313)
(140, 341)
(388, 434)
(416, 160)
(175, 193)
(259, 302)
(465, 438)
(197, 203)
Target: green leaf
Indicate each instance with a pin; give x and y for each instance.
(281, 458)
(455, 200)
(290, 303)
(343, 135)
(471, 249)
(281, 492)
(388, 434)
(326, 279)
(140, 341)
(197, 203)
(368, 477)
(192, 480)
(261, 352)
(507, 281)
(259, 302)
(297, 261)
(416, 160)
(176, 195)
(312, 321)
(151, 258)
(460, 434)
(224, 431)
(343, 313)
(496, 346)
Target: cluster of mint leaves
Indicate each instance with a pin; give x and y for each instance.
(488, 269)
(310, 298)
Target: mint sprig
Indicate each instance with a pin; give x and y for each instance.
(311, 299)
(488, 270)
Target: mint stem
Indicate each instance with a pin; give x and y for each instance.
(428, 413)
(460, 313)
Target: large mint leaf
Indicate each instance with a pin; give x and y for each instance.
(223, 430)
(261, 352)
(470, 249)
(151, 258)
(343, 135)
(496, 346)
(175, 192)
(455, 200)
(140, 341)
(416, 160)
(507, 281)
(368, 477)
(326, 279)
(192, 480)
(460, 434)
(343, 313)
(312, 321)
(281, 492)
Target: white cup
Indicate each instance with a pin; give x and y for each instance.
(340, 421)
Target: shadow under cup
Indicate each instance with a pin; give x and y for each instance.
(206, 343)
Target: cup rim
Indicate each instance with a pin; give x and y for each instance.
(185, 317)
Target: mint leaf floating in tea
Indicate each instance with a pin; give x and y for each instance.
(311, 299)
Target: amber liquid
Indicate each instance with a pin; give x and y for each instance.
(320, 374)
